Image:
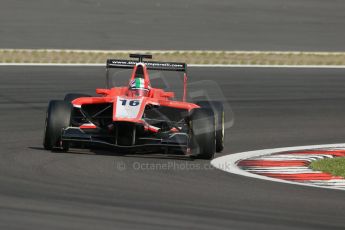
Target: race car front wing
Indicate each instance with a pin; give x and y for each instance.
(76, 135)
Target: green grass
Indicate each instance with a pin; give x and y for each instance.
(335, 166)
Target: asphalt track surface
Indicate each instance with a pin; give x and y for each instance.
(83, 190)
(308, 25)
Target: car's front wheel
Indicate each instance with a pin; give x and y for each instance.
(58, 116)
(218, 110)
(203, 133)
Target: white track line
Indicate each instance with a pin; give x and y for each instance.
(274, 66)
(190, 65)
(228, 163)
(175, 51)
(53, 64)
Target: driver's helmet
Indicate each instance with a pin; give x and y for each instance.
(137, 87)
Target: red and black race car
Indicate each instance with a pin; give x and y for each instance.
(136, 118)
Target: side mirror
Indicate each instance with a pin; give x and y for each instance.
(103, 91)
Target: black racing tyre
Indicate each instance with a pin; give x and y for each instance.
(58, 117)
(219, 114)
(203, 133)
(125, 133)
(71, 96)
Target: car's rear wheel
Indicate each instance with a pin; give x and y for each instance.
(203, 133)
(218, 110)
(58, 117)
(71, 96)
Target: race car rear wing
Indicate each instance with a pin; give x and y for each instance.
(152, 65)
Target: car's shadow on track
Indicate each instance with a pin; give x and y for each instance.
(160, 156)
(117, 154)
